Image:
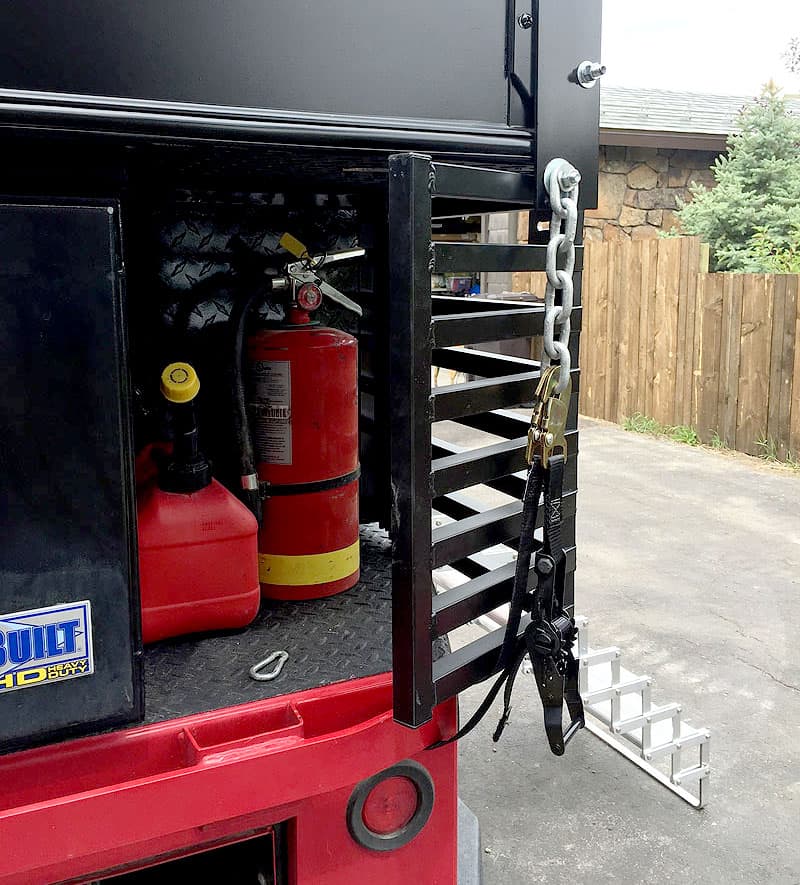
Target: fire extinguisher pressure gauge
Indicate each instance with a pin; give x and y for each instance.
(309, 296)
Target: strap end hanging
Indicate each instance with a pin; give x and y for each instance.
(501, 725)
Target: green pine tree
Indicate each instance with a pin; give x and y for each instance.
(752, 217)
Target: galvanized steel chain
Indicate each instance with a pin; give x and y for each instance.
(561, 179)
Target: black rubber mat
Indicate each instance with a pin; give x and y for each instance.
(328, 640)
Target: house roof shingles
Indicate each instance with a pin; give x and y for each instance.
(685, 119)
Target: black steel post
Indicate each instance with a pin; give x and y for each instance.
(410, 398)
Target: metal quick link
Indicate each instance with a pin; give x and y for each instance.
(277, 657)
(561, 180)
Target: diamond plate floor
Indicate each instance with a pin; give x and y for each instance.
(328, 640)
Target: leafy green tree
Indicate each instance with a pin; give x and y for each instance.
(775, 258)
(792, 56)
(752, 217)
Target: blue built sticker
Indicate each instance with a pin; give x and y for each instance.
(45, 645)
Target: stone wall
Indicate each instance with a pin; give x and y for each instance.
(640, 189)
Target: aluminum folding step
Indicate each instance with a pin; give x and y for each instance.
(619, 709)
(625, 717)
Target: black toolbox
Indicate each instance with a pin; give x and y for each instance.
(70, 653)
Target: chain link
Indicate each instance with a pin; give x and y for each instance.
(561, 179)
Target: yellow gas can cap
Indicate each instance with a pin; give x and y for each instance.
(179, 383)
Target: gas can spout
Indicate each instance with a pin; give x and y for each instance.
(187, 470)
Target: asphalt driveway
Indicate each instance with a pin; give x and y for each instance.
(689, 560)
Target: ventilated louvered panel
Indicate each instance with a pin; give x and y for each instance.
(431, 477)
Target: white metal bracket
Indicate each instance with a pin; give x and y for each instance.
(621, 713)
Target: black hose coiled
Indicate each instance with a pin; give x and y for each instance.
(241, 422)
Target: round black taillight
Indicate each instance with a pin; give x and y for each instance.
(388, 810)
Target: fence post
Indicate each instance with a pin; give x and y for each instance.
(794, 394)
(754, 362)
(784, 315)
(665, 338)
(687, 309)
(707, 347)
(644, 372)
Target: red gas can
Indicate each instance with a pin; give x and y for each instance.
(198, 544)
(197, 562)
(304, 407)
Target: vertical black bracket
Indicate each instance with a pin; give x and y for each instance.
(410, 178)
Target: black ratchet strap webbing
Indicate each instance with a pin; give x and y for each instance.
(549, 636)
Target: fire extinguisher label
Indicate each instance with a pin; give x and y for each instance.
(272, 411)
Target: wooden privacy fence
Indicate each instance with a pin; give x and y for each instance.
(717, 351)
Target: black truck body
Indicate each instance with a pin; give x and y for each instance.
(139, 140)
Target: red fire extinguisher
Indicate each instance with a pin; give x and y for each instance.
(304, 424)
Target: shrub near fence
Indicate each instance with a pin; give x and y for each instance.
(717, 352)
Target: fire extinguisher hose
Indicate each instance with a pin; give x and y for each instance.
(249, 492)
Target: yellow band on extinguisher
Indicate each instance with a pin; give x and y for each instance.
(313, 568)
